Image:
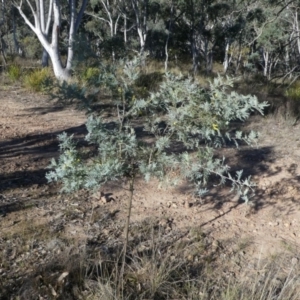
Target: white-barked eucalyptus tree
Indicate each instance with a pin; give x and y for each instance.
(45, 16)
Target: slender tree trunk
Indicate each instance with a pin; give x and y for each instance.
(45, 58)
(266, 62)
(142, 37)
(195, 55)
(4, 61)
(141, 22)
(287, 61)
(226, 57)
(296, 30)
(168, 37)
(194, 48)
(15, 38)
(209, 65)
(206, 55)
(125, 29)
(239, 58)
(167, 55)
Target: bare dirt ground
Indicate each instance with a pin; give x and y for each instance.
(37, 223)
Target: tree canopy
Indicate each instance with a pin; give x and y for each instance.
(245, 36)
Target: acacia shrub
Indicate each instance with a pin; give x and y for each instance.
(181, 111)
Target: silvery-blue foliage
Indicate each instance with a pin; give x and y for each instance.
(183, 123)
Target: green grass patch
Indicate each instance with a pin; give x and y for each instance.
(38, 80)
(90, 75)
(14, 72)
(293, 92)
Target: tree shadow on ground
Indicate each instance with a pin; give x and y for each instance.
(24, 160)
(15, 204)
(95, 107)
(260, 164)
(24, 166)
(37, 143)
(43, 110)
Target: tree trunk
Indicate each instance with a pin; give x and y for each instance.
(4, 61)
(266, 62)
(168, 37)
(16, 43)
(41, 29)
(226, 57)
(142, 37)
(60, 72)
(125, 29)
(238, 59)
(195, 55)
(209, 62)
(45, 58)
(141, 17)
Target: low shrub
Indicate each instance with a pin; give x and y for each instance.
(38, 79)
(90, 75)
(293, 91)
(14, 72)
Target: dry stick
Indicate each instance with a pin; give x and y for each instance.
(131, 189)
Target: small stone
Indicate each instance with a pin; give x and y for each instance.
(34, 186)
(215, 244)
(190, 257)
(62, 276)
(19, 259)
(295, 260)
(53, 292)
(103, 200)
(174, 205)
(276, 281)
(13, 255)
(105, 231)
(59, 215)
(163, 223)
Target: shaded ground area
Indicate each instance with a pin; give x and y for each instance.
(38, 224)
